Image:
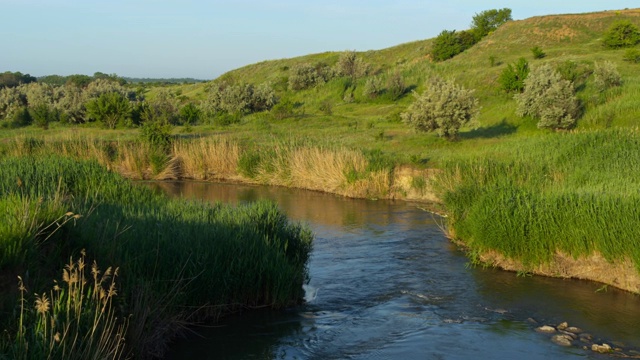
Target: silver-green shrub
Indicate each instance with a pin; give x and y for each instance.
(443, 107)
(606, 75)
(548, 98)
(372, 87)
(350, 65)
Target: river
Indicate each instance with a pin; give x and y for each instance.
(387, 284)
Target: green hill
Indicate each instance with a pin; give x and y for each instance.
(374, 124)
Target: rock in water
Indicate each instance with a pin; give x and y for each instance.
(546, 329)
(562, 339)
(573, 329)
(604, 348)
(563, 326)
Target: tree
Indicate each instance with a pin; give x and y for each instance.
(446, 45)
(489, 20)
(513, 76)
(190, 114)
(13, 79)
(549, 98)
(622, 33)
(109, 108)
(443, 107)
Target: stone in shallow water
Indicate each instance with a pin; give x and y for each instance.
(573, 329)
(546, 329)
(563, 326)
(569, 334)
(585, 337)
(604, 348)
(562, 339)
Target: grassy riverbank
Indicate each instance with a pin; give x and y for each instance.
(566, 195)
(179, 262)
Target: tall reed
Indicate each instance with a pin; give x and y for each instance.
(183, 261)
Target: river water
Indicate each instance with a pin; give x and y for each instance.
(387, 284)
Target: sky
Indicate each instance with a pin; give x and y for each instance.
(203, 39)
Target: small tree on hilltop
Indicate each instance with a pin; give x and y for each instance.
(443, 107)
(487, 21)
(549, 98)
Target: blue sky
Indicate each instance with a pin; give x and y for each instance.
(203, 39)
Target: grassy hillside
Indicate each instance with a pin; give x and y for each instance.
(374, 124)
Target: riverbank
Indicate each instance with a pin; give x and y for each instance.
(569, 212)
(178, 262)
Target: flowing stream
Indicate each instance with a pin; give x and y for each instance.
(387, 284)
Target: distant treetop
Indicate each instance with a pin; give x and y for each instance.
(489, 20)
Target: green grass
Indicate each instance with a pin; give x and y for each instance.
(180, 261)
(576, 193)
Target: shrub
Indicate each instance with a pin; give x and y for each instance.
(242, 98)
(41, 115)
(109, 108)
(304, 76)
(606, 75)
(349, 64)
(190, 114)
(157, 134)
(283, 110)
(632, 55)
(395, 86)
(621, 34)
(444, 107)
(549, 98)
(513, 76)
(372, 87)
(537, 52)
(445, 46)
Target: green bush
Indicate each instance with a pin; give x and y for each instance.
(549, 98)
(109, 108)
(632, 55)
(622, 33)
(304, 76)
(41, 115)
(537, 52)
(449, 44)
(606, 75)
(513, 76)
(283, 109)
(190, 114)
(157, 134)
(443, 107)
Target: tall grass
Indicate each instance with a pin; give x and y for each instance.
(181, 262)
(573, 193)
(75, 320)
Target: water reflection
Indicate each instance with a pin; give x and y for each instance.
(391, 286)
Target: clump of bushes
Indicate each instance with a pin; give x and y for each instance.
(352, 66)
(305, 76)
(632, 55)
(239, 99)
(537, 52)
(622, 33)
(443, 107)
(549, 98)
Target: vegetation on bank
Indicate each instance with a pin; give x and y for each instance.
(179, 262)
(574, 193)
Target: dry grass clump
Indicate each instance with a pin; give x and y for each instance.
(206, 158)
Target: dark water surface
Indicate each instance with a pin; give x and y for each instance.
(386, 284)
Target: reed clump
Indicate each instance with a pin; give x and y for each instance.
(182, 262)
(573, 193)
